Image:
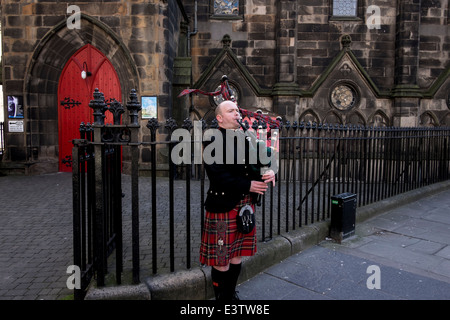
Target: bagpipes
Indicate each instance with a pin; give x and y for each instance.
(226, 93)
(262, 119)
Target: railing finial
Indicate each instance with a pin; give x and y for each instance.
(99, 106)
(133, 107)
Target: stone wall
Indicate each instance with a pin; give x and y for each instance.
(293, 50)
(285, 57)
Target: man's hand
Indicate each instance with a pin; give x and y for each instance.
(258, 187)
(269, 176)
(261, 186)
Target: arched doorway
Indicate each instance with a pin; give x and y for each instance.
(75, 93)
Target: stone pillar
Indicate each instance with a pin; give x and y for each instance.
(406, 91)
(286, 90)
(182, 76)
(286, 40)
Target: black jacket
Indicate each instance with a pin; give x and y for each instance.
(229, 183)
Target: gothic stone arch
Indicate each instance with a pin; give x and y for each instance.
(44, 70)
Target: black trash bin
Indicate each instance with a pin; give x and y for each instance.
(343, 216)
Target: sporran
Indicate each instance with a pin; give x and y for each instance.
(245, 220)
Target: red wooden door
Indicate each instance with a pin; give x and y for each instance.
(75, 93)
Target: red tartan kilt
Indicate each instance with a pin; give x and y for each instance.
(222, 226)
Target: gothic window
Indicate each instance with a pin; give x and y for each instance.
(345, 8)
(234, 92)
(344, 96)
(226, 7)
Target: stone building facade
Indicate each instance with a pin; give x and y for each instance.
(388, 59)
(367, 62)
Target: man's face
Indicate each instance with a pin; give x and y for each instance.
(228, 115)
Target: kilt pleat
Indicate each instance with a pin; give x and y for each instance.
(220, 239)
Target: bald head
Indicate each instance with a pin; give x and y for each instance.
(223, 105)
(227, 114)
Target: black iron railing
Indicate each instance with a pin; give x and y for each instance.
(97, 191)
(316, 161)
(320, 160)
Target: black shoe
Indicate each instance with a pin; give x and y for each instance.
(218, 293)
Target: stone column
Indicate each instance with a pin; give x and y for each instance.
(406, 91)
(286, 90)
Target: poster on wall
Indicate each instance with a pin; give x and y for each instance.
(15, 107)
(15, 126)
(149, 107)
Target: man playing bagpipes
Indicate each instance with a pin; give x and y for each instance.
(229, 229)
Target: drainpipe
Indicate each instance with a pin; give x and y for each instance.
(193, 33)
(189, 35)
